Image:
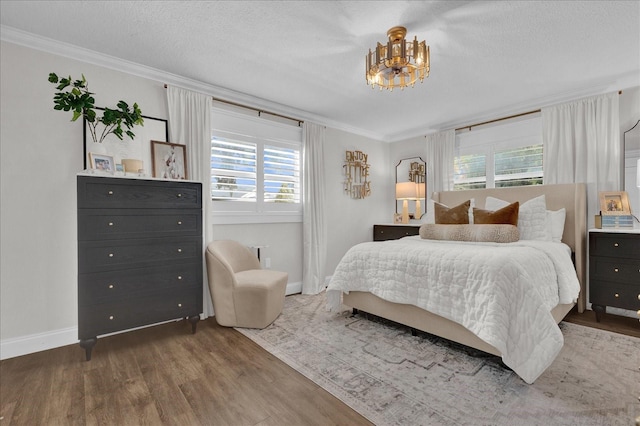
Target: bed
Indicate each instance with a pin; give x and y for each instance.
(530, 349)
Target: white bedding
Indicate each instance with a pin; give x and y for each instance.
(503, 293)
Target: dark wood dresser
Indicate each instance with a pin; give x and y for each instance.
(394, 232)
(614, 270)
(139, 254)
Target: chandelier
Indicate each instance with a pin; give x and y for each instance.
(398, 63)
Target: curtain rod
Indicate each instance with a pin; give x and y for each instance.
(259, 111)
(505, 118)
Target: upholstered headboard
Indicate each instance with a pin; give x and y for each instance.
(572, 197)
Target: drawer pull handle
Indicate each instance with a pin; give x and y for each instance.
(179, 195)
(179, 305)
(111, 317)
(638, 296)
(110, 223)
(110, 193)
(110, 254)
(616, 295)
(179, 250)
(615, 244)
(179, 277)
(179, 222)
(110, 285)
(638, 312)
(615, 269)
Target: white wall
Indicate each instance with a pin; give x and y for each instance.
(40, 154)
(351, 221)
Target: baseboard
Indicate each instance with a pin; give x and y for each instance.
(294, 288)
(11, 348)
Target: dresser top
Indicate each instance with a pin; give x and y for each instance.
(123, 175)
(617, 230)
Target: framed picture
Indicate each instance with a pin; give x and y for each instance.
(169, 160)
(154, 129)
(615, 203)
(102, 162)
(397, 218)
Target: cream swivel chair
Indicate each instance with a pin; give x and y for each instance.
(243, 294)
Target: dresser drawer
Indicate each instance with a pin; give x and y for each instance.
(137, 311)
(102, 287)
(393, 232)
(96, 192)
(609, 293)
(615, 269)
(109, 224)
(99, 256)
(614, 245)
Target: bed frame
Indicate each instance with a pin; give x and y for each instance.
(570, 196)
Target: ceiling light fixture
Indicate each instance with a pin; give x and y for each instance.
(398, 63)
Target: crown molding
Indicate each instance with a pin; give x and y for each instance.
(622, 82)
(33, 41)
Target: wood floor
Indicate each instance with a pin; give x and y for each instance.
(166, 375)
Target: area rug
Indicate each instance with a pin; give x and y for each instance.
(393, 378)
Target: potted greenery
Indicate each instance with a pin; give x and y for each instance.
(74, 95)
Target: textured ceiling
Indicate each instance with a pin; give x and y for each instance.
(488, 59)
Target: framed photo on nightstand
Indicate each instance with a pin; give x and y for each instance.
(614, 203)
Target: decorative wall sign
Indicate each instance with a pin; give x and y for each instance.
(356, 170)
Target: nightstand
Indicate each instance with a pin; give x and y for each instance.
(394, 231)
(614, 269)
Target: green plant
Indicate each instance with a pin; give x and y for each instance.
(74, 95)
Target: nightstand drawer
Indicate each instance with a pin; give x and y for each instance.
(615, 270)
(394, 232)
(612, 294)
(614, 245)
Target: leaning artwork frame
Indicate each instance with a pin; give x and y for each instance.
(156, 129)
(614, 203)
(169, 160)
(102, 162)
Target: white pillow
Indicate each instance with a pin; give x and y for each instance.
(430, 217)
(555, 224)
(532, 217)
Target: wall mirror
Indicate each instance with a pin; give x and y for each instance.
(631, 159)
(413, 169)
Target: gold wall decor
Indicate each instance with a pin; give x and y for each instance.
(356, 170)
(417, 172)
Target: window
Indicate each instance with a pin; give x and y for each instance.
(255, 169)
(500, 156)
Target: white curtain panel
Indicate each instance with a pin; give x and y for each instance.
(440, 156)
(582, 144)
(190, 124)
(314, 216)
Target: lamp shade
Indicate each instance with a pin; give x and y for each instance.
(420, 190)
(406, 191)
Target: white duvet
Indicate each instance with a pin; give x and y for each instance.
(503, 293)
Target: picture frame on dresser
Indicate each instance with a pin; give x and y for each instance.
(101, 162)
(169, 160)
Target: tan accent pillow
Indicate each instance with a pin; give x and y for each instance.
(507, 215)
(452, 215)
(477, 233)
